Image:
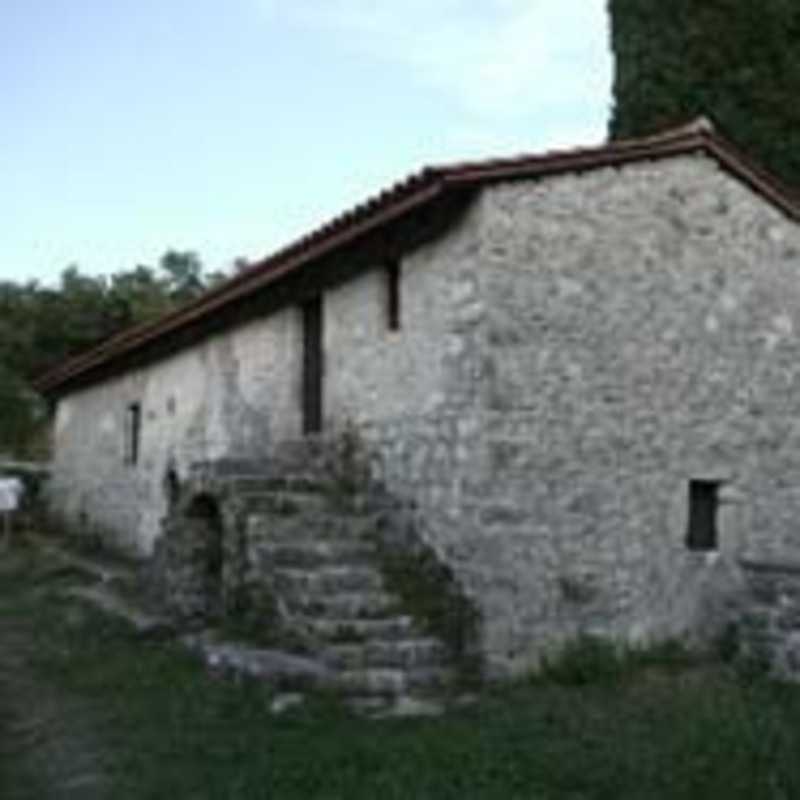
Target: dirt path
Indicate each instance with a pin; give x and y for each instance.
(49, 743)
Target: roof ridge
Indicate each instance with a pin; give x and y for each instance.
(415, 190)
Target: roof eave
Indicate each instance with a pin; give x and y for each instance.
(404, 198)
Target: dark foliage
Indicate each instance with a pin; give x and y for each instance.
(735, 61)
(40, 326)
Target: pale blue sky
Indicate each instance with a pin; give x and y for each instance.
(130, 127)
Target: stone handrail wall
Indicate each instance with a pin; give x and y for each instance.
(769, 628)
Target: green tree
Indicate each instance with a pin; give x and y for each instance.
(184, 276)
(736, 61)
(42, 326)
(17, 325)
(137, 295)
(21, 414)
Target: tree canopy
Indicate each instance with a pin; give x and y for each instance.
(736, 61)
(41, 326)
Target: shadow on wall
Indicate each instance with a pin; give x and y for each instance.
(191, 561)
(204, 521)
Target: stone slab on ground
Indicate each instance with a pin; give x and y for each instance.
(282, 668)
(101, 569)
(408, 706)
(286, 702)
(111, 603)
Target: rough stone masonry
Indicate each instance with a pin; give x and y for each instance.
(581, 358)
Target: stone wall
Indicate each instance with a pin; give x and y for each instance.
(571, 355)
(641, 332)
(237, 394)
(231, 394)
(768, 626)
(615, 336)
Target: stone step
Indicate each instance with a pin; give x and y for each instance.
(326, 579)
(257, 484)
(431, 678)
(425, 651)
(396, 706)
(111, 603)
(263, 527)
(426, 679)
(280, 503)
(352, 630)
(287, 670)
(103, 569)
(370, 681)
(310, 552)
(392, 682)
(309, 454)
(339, 605)
(224, 468)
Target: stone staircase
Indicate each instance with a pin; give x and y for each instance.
(322, 562)
(309, 550)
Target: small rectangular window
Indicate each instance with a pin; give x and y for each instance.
(393, 309)
(703, 503)
(313, 365)
(133, 432)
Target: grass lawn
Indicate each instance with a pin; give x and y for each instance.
(170, 730)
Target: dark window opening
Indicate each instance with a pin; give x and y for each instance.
(205, 523)
(393, 309)
(312, 366)
(703, 504)
(133, 433)
(172, 487)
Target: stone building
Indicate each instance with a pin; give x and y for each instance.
(574, 375)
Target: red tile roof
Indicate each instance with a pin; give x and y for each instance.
(416, 191)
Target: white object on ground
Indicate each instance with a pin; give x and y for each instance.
(11, 490)
(282, 703)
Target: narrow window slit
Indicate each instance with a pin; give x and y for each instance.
(393, 306)
(313, 366)
(133, 433)
(703, 506)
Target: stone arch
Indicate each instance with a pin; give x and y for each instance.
(204, 520)
(195, 559)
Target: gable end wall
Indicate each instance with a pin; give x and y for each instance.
(571, 355)
(642, 330)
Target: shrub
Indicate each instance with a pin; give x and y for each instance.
(590, 659)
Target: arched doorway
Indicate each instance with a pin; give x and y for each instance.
(203, 569)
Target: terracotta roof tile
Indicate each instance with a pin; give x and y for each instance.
(403, 197)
